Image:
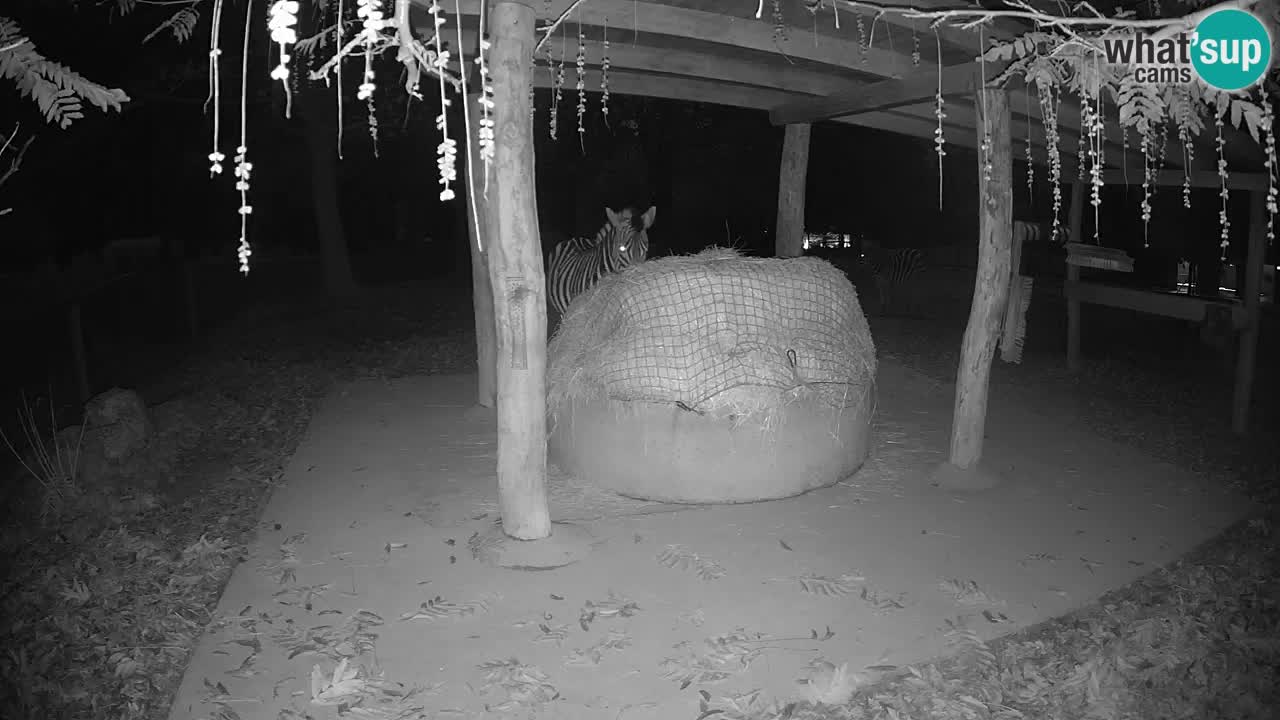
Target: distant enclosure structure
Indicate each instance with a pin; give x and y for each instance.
(803, 67)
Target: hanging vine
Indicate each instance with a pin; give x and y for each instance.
(1031, 167)
(484, 133)
(779, 24)
(938, 139)
(1269, 135)
(283, 16)
(447, 150)
(582, 89)
(557, 87)
(1224, 221)
(215, 88)
(604, 74)
(1063, 54)
(863, 44)
(243, 167)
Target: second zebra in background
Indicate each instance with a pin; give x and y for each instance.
(578, 263)
(893, 270)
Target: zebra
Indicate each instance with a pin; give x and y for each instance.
(892, 268)
(578, 263)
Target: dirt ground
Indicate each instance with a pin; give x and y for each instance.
(365, 543)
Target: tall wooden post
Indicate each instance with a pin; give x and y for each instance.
(1075, 229)
(1247, 358)
(990, 292)
(789, 241)
(518, 281)
(477, 213)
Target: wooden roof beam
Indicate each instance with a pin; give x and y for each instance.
(919, 87)
(623, 17)
(678, 65)
(952, 37)
(628, 83)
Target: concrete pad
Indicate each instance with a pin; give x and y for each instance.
(381, 503)
(566, 544)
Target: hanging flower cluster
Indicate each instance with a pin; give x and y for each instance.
(604, 75)
(1188, 155)
(582, 88)
(557, 91)
(1148, 177)
(1031, 168)
(243, 167)
(1091, 128)
(282, 18)
(1269, 142)
(371, 12)
(447, 150)
(863, 44)
(1223, 221)
(485, 101)
(1082, 151)
(1049, 115)
(938, 140)
(779, 24)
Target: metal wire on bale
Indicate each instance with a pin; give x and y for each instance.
(715, 333)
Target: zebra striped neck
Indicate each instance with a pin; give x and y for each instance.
(577, 264)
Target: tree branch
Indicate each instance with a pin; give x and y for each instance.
(17, 160)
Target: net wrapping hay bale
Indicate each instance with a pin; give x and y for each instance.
(692, 378)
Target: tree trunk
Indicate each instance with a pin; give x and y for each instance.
(335, 260)
(519, 282)
(477, 213)
(789, 241)
(991, 288)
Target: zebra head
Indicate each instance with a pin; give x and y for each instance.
(626, 236)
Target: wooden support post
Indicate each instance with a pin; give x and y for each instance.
(990, 292)
(518, 281)
(1075, 232)
(75, 326)
(1247, 358)
(477, 213)
(789, 241)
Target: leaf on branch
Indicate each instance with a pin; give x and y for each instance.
(1044, 72)
(56, 89)
(1141, 105)
(1026, 46)
(1252, 115)
(182, 24)
(1184, 108)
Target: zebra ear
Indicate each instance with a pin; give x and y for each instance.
(649, 215)
(615, 218)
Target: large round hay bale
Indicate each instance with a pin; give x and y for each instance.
(713, 378)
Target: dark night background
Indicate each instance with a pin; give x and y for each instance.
(712, 172)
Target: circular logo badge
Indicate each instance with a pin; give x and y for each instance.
(1231, 49)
